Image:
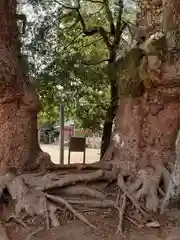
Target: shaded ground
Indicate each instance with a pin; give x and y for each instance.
(92, 155)
(106, 222)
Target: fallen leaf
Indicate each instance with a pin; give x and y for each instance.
(154, 224)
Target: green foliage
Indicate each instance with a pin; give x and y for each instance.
(84, 90)
(68, 56)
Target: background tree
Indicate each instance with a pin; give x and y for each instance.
(65, 66)
(81, 87)
(102, 28)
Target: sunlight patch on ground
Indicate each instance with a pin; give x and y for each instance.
(92, 155)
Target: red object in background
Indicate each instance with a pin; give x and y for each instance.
(68, 132)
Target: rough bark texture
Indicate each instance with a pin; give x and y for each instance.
(147, 132)
(147, 126)
(173, 192)
(18, 99)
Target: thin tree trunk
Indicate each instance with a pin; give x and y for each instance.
(107, 129)
(19, 103)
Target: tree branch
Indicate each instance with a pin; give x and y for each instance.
(119, 27)
(104, 36)
(22, 17)
(123, 26)
(94, 30)
(53, 23)
(68, 7)
(109, 16)
(72, 25)
(99, 2)
(95, 63)
(92, 14)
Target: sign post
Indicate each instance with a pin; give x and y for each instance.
(61, 155)
(77, 144)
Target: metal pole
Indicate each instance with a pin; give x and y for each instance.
(39, 134)
(61, 155)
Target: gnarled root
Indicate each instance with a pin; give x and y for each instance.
(32, 193)
(121, 214)
(83, 191)
(35, 202)
(29, 192)
(121, 184)
(69, 206)
(5, 180)
(56, 180)
(147, 186)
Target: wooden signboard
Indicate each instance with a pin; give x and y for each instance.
(77, 144)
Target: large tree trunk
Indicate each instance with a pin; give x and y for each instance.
(19, 104)
(147, 131)
(147, 126)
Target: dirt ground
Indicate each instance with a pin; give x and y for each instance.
(92, 155)
(106, 222)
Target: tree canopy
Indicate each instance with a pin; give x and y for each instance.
(68, 55)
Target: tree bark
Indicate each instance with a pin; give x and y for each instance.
(147, 126)
(173, 192)
(147, 131)
(19, 102)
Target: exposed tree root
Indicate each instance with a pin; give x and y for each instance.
(147, 186)
(81, 166)
(69, 206)
(121, 215)
(34, 233)
(52, 214)
(3, 233)
(166, 176)
(5, 180)
(17, 220)
(47, 215)
(32, 193)
(82, 191)
(34, 202)
(50, 181)
(93, 203)
(121, 184)
(134, 222)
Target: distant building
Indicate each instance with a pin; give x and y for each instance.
(69, 129)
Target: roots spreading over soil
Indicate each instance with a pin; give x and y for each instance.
(69, 188)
